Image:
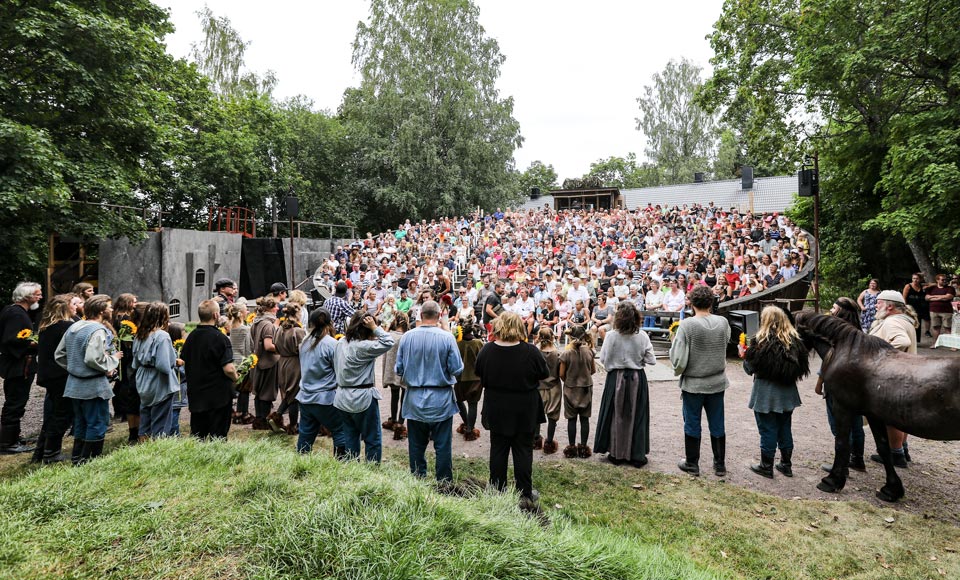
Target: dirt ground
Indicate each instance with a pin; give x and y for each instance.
(931, 481)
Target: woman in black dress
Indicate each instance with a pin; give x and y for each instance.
(510, 370)
(915, 293)
(57, 412)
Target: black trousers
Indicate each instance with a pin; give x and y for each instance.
(212, 423)
(16, 393)
(57, 411)
(521, 446)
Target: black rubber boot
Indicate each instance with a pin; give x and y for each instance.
(692, 447)
(77, 452)
(341, 453)
(52, 452)
(91, 450)
(38, 450)
(785, 466)
(719, 445)
(765, 467)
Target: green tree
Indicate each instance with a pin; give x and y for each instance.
(679, 132)
(221, 58)
(89, 101)
(539, 175)
(870, 85)
(434, 134)
(625, 172)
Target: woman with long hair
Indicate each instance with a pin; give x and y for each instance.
(126, 400)
(86, 352)
(57, 412)
(242, 344)
(623, 423)
(357, 397)
(551, 391)
(318, 385)
(392, 380)
(777, 360)
(510, 371)
(155, 362)
(288, 340)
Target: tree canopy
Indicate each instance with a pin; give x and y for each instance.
(871, 85)
(434, 135)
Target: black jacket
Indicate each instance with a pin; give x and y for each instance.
(774, 361)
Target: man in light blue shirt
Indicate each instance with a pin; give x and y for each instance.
(429, 362)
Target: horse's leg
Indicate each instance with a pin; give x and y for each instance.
(843, 420)
(893, 489)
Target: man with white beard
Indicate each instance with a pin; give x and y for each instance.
(18, 365)
(895, 323)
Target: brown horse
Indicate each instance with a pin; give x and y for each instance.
(866, 376)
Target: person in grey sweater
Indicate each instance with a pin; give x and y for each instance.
(699, 357)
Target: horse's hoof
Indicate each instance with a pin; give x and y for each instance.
(886, 495)
(829, 486)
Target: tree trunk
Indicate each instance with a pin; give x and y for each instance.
(922, 259)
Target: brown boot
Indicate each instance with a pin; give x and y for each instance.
(583, 451)
(570, 451)
(550, 447)
(292, 429)
(462, 429)
(324, 432)
(471, 435)
(538, 442)
(399, 433)
(388, 424)
(260, 424)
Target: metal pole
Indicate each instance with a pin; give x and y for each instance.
(293, 270)
(816, 235)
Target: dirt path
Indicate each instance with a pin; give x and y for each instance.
(932, 482)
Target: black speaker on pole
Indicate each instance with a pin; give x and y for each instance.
(292, 207)
(534, 192)
(808, 183)
(746, 177)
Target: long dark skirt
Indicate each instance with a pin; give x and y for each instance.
(623, 425)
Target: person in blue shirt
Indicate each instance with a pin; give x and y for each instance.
(429, 362)
(318, 385)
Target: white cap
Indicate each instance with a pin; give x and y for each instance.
(891, 296)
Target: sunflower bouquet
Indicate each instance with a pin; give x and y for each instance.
(743, 344)
(251, 317)
(125, 333)
(28, 335)
(246, 365)
(178, 347)
(673, 329)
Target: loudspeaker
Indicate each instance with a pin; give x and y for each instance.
(534, 192)
(698, 177)
(292, 207)
(743, 322)
(746, 177)
(808, 183)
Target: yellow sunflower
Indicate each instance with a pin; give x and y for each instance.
(24, 334)
(459, 333)
(254, 359)
(338, 336)
(251, 317)
(130, 325)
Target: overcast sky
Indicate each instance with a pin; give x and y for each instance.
(574, 68)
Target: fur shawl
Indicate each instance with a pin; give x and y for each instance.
(773, 361)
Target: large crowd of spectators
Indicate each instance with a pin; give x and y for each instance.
(567, 267)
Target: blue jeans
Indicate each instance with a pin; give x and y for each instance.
(364, 425)
(418, 435)
(156, 419)
(857, 437)
(175, 422)
(774, 432)
(91, 417)
(693, 403)
(312, 417)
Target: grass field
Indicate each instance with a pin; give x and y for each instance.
(252, 508)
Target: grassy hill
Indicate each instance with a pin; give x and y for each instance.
(255, 509)
(252, 508)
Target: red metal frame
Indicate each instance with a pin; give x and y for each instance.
(235, 220)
